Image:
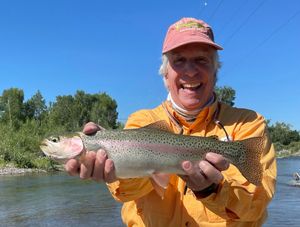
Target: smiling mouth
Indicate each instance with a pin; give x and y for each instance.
(192, 86)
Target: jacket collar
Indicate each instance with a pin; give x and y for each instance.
(206, 115)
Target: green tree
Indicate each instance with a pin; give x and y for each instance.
(120, 125)
(104, 111)
(226, 94)
(12, 106)
(282, 133)
(20, 145)
(83, 106)
(63, 113)
(35, 107)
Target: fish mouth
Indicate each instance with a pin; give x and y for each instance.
(43, 144)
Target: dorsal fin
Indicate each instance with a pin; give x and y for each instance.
(214, 137)
(160, 125)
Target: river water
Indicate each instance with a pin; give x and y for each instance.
(61, 200)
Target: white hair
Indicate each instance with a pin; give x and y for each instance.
(165, 61)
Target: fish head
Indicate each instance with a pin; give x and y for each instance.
(62, 148)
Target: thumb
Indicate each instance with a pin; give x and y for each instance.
(90, 128)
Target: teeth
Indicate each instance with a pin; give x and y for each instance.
(191, 85)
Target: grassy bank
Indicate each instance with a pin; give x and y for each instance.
(293, 149)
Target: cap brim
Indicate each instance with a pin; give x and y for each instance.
(177, 43)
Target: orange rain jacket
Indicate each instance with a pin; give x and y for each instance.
(236, 203)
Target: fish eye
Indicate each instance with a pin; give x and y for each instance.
(54, 139)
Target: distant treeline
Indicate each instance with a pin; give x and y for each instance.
(285, 139)
(23, 124)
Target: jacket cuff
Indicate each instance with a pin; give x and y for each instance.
(213, 188)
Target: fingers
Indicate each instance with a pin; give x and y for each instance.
(104, 169)
(72, 167)
(109, 171)
(212, 174)
(195, 178)
(94, 165)
(218, 161)
(192, 170)
(101, 158)
(87, 165)
(90, 128)
(202, 174)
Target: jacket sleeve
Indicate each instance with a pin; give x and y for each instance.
(125, 190)
(238, 199)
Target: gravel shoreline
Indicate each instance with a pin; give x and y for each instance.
(18, 171)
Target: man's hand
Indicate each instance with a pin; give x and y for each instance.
(205, 172)
(94, 165)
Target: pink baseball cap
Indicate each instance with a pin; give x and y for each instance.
(189, 30)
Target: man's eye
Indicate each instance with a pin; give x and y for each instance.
(179, 61)
(201, 60)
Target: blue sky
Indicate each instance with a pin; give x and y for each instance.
(60, 46)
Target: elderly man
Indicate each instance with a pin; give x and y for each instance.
(213, 192)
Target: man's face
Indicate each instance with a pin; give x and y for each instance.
(191, 75)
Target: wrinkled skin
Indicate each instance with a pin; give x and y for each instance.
(190, 64)
(191, 75)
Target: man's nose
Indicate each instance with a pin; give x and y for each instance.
(190, 69)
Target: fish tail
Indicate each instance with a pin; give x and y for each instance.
(250, 165)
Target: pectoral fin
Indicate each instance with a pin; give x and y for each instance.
(160, 183)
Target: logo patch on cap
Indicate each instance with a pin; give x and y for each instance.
(190, 25)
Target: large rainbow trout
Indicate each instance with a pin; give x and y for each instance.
(154, 149)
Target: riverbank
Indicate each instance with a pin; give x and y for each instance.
(287, 154)
(11, 170)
